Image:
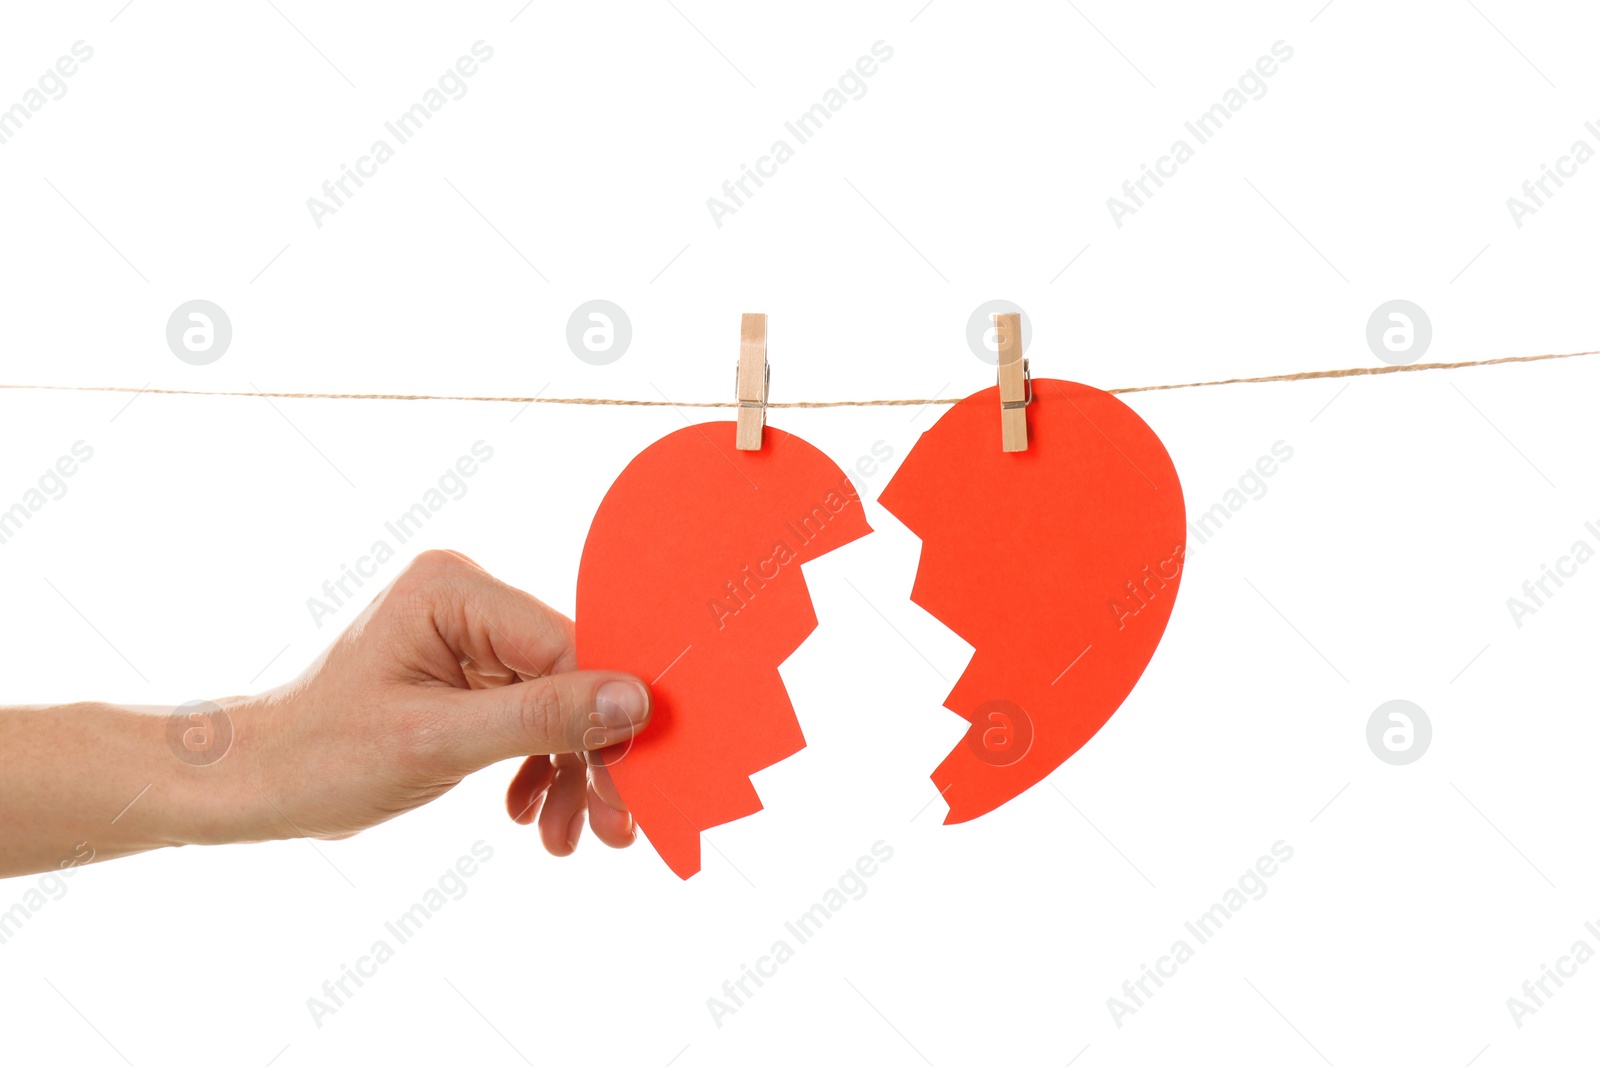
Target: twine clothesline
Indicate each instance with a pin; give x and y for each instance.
(1347, 372)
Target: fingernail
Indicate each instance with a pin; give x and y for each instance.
(619, 704)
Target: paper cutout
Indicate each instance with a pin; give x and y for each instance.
(691, 580)
(1059, 565)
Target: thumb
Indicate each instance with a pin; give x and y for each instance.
(574, 711)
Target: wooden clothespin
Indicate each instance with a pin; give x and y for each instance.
(1016, 385)
(753, 378)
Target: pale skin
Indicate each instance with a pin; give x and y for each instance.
(447, 671)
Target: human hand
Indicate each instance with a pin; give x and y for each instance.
(447, 671)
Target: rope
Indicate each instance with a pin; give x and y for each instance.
(1348, 372)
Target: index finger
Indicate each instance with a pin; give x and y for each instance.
(483, 620)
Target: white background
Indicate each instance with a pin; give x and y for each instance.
(977, 166)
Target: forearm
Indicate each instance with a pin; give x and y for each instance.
(91, 780)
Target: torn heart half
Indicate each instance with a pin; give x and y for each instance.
(691, 580)
(1058, 564)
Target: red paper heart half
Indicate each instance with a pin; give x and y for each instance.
(1059, 565)
(691, 580)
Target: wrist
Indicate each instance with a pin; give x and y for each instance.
(222, 778)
